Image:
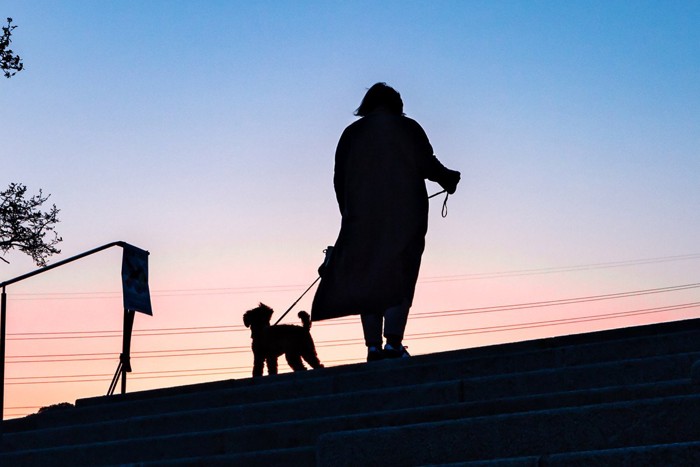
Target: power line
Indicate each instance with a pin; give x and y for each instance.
(205, 372)
(553, 270)
(157, 293)
(109, 374)
(115, 357)
(428, 335)
(555, 322)
(295, 287)
(419, 315)
(119, 331)
(148, 375)
(138, 352)
(564, 301)
(416, 336)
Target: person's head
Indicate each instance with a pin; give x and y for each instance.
(380, 95)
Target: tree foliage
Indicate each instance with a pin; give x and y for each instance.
(9, 62)
(25, 227)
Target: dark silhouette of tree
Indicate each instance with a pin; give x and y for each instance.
(24, 226)
(9, 62)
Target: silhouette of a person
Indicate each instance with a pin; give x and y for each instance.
(381, 163)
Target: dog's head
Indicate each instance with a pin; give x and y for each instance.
(259, 316)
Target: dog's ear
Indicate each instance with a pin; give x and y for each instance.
(266, 309)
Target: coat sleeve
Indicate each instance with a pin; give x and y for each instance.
(433, 169)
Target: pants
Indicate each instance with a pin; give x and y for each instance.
(394, 320)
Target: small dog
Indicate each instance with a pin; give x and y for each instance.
(269, 342)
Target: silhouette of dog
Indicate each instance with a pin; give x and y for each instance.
(269, 342)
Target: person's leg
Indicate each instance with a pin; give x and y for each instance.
(372, 329)
(395, 319)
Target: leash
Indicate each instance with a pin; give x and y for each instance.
(292, 306)
(444, 203)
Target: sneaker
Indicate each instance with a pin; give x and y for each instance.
(374, 354)
(395, 352)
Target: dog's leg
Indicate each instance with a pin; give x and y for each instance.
(258, 363)
(294, 361)
(310, 355)
(312, 359)
(271, 365)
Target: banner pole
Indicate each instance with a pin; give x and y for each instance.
(125, 357)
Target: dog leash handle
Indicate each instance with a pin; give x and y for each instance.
(444, 203)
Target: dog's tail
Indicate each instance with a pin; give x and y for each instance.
(305, 319)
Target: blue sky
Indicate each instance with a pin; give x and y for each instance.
(204, 132)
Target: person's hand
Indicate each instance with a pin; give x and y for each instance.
(322, 268)
(451, 180)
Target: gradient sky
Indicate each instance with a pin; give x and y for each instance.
(204, 132)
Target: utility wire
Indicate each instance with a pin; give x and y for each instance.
(120, 331)
(428, 335)
(150, 375)
(555, 322)
(179, 374)
(291, 288)
(418, 315)
(553, 270)
(565, 301)
(138, 352)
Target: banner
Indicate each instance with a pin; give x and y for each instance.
(137, 296)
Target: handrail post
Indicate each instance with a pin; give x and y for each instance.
(3, 320)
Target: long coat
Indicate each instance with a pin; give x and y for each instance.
(381, 163)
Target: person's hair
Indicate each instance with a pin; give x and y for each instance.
(380, 95)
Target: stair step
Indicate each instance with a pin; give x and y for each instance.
(375, 376)
(240, 415)
(593, 427)
(115, 423)
(672, 454)
(292, 434)
(295, 457)
(573, 400)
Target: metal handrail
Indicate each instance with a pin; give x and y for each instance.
(3, 311)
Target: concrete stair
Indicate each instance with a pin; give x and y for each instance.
(620, 397)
